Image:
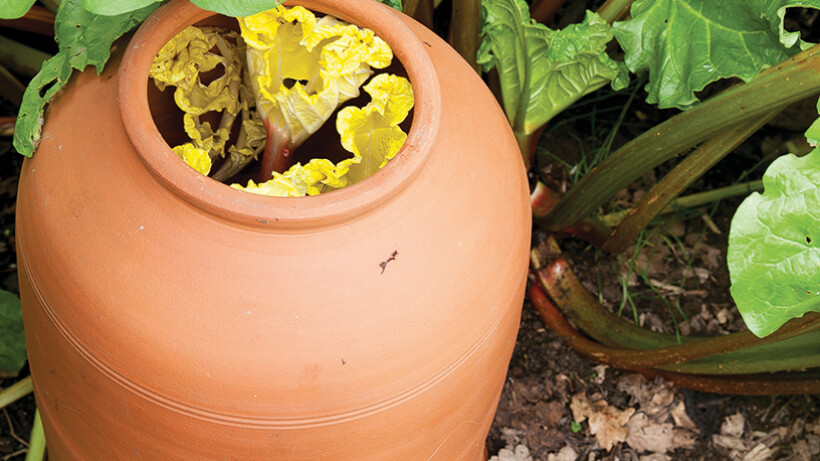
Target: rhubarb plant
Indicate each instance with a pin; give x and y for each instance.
(542, 71)
(287, 73)
(680, 47)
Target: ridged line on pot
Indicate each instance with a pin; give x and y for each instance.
(276, 212)
(244, 421)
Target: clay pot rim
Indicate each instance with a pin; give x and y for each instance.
(279, 213)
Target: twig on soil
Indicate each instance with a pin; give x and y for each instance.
(12, 432)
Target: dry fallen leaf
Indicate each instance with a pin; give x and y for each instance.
(565, 454)
(759, 453)
(681, 418)
(726, 441)
(606, 423)
(655, 457)
(657, 437)
(732, 426)
(519, 453)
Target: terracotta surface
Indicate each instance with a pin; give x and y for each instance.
(171, 317)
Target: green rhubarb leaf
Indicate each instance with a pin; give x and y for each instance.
(687, 44)
(774, 246)
(813, 133)
(13, 9)
(85, 39)
(109, 8)
(396, 4)
(237, 9)
(247, 8)
(543, 71)
(12, 340)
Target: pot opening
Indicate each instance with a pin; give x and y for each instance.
(206, 99)
(154, 127)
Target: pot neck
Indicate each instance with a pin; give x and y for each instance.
(280, 213)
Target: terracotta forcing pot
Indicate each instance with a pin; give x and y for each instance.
(171, 317)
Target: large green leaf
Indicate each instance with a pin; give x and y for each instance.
(85, 39)
(687, 44)
(109, 8)
(774, 246)
(543, 71)
(235, 8)
(12, 340)
(396, 4)
(13, 9)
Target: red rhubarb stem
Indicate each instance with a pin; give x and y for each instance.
(277, 154)
(746, 384)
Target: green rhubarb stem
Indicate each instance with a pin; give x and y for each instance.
(793, 383)
(693, 200)
(52, 5)
(466, 27)
(583, 308)
(606, 327)
(614, 10)
(15, 392)
(424, 13)
(543, 199)
(745, 384)
(409, 7)
(792, 80)
(682, 176)
(10, 87)
(795, 353)
(20, 58)
(525, 145)
(37, 441)
(703, 198)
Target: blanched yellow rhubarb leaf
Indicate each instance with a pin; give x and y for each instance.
(185, 57)
(183, 61)
(306, 67)
(195, 157)
(203, 136)
(370, 133)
